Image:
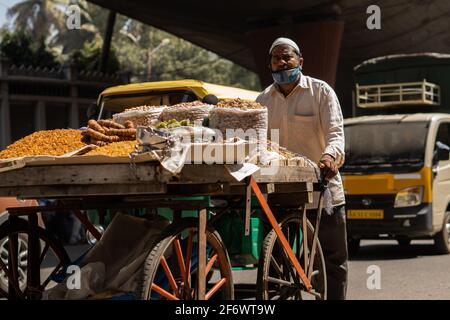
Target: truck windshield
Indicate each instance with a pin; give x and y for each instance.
(384, 143)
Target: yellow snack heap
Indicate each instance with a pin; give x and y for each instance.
(45, 143)
(115, 149)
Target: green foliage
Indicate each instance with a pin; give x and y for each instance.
(131, 44)
(38, 18)
(88, 57)
(179, 59)
(19, 49)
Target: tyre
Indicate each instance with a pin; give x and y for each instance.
(353, 246)
(442, 238)
(50, 250)
(277, 279)
(404, 242)
(170, 270)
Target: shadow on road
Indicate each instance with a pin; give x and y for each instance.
(244, 291)
(388, 251)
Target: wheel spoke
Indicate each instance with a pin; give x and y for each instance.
(180, 259)
(163, 292)
(210, 263)
(289, 272)
(3, 293)
(215, 288)
(22, 275)
(276, 266)
(281, 282)
(188, 260)
(12, 259)
(169, 274)
(4, 252)
(279, 279)
(23, 254)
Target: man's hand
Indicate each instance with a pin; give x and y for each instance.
(328, 166)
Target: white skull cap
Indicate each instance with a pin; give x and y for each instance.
(286, 41)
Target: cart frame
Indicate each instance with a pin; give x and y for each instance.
(81, 187)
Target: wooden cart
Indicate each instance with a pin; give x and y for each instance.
(180, 264)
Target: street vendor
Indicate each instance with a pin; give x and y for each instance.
(308, 116)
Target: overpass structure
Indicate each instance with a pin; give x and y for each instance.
(333, 35)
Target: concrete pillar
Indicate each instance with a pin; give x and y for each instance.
(71, 73)
(319, 42)
(74, 120)
(40, 121)
(5, 121)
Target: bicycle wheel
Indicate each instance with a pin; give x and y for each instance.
(53, 258)
(170, 270)
(277, 278)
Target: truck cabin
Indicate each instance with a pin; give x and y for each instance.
(402, 84)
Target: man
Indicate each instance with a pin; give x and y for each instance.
(308, 116)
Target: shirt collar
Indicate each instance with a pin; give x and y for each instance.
(303, 82)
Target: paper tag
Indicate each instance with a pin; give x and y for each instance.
(241, 171)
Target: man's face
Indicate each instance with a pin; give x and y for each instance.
(284, 57)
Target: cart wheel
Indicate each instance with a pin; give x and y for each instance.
(170, 270)
(277, 278)
(53, 258)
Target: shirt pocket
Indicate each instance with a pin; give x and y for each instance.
(302, 126)
(302, 120)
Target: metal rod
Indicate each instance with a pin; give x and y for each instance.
(201, 276)
(87, 224)
(305, 237)
(34, 255)
(248, 203)
(13, 280)
(280, 234)
(315, 236)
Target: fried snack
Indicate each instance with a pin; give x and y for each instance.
(113, 138)
(194, 111)
(237, 114)
(46, 143)
(129, 124)
(122, 133)
(139, 116)
(275, 147)
(110, 124)
(195, 103)
(103, 132)
(98, 142)
(97, 135)
(92, 124)
(239, 104)
(143, 108)
(116, 149)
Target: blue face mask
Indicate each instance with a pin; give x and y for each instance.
(286, 76)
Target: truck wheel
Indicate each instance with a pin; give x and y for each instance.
(353, 246)
(404, 242)
(442, 239)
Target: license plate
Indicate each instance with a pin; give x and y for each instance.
(365, 214)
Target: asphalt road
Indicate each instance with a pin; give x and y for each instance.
(414, 272)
